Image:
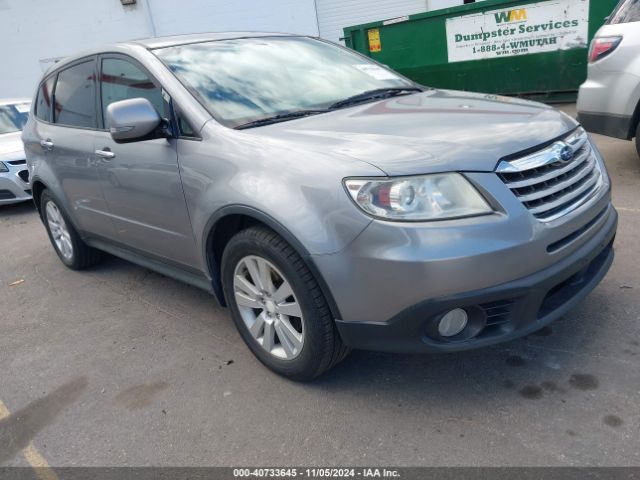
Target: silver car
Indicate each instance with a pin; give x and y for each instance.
(14, 176)
(329, 202)
(609, 101)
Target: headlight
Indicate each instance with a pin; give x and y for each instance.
(3, 168)
(426, 197)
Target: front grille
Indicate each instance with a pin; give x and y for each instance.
(17, 162)
(548, 184)
(24, 175)
(563, 242)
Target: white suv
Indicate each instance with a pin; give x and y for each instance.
(609, 101)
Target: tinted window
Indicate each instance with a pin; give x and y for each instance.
(13, 117)
(248, 79)
(74, 97)
(628, 11)
(184, 127)
(45, 100)
(122, 80)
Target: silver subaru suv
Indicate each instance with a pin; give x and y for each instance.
(329, 202)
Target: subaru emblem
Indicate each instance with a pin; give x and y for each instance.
(566, 154)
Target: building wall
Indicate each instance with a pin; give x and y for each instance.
(34, 32)
(189, 16)
(438, 4)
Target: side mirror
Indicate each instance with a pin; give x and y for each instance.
(131, 120)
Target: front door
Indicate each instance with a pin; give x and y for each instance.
(141, 180)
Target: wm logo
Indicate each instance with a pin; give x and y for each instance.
(511, 16)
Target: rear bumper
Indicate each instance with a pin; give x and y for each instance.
(601, 112)
(505, 311)
(617, 126)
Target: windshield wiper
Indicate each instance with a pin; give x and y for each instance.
(283, 117)
(378, 93)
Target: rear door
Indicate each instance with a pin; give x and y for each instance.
(38, 127)
(69, 141)
(141, 181)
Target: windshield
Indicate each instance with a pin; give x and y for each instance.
(244, 80)
(13, 117)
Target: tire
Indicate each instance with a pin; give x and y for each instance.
(260, 302)
(71, 250)
(638, 139)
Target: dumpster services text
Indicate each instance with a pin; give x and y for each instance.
(521, 30)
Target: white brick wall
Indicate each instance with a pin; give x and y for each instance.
(189, 16)
(438, 4)
(32, 31)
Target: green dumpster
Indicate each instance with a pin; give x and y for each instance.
(512, 47)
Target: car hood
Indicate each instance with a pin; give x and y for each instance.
(437, 130)
(11, 145)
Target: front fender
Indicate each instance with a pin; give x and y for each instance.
(302, 191)
(261, 217)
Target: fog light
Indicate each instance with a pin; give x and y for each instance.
(453, 323)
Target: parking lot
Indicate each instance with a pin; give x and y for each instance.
(119, 366)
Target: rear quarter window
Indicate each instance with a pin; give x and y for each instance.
(627, 11)
(44, 102)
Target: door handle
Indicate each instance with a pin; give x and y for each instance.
(106, 154)
(47, 144)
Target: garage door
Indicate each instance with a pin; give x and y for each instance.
(334, 15)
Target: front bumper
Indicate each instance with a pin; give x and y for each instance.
(13, 187)
(501, 312)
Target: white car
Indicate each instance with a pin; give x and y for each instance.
(14, 175)
(609, 101)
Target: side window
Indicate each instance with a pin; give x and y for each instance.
(74, 96)
(45, 100)
(184, 127)
(627, 12)
(122, 80)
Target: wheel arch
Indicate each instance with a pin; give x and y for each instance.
(228, 221)
(37, 187)
(635, 121)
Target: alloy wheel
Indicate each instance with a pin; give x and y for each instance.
(59, 231)
(269, 307)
